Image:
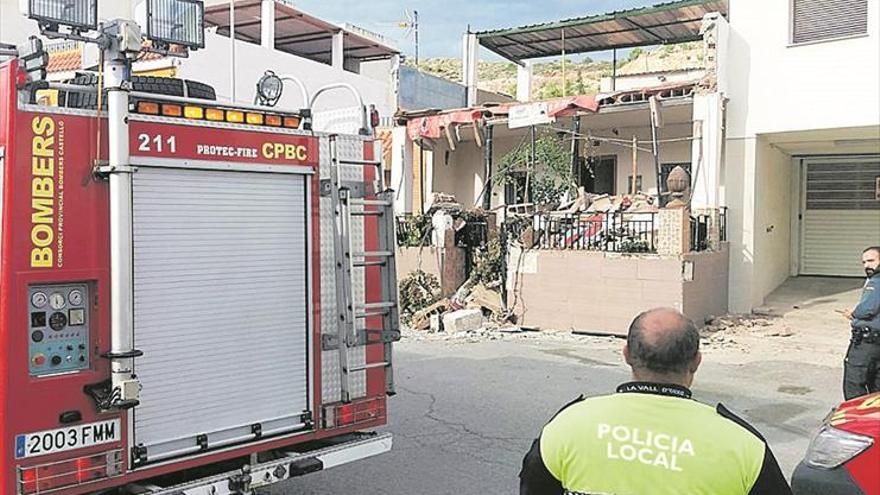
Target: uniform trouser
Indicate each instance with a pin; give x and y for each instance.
(861, 369)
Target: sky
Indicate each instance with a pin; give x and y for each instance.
(442, 22)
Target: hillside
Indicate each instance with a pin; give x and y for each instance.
(582, 77)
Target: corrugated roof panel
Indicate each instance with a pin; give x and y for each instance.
(672, 22)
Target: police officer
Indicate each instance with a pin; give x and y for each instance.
(651, 437)
(861, 368)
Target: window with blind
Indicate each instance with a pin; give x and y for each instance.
(817, 20)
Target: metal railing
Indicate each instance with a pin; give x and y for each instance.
(415, 231)
(412, 231)
(474, 234)
(700, 232)
(722, 220)
(700, 228)
(618, 232)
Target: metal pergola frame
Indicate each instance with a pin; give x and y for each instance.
(672, 22)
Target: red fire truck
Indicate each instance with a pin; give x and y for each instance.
(195, 297)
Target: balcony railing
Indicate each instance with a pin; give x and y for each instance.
(413, 231)
(701, 230)
(619, 232)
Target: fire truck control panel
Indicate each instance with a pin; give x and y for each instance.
(58, 329)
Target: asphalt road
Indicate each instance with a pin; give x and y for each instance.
(466, 413)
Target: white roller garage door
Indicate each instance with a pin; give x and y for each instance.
(841, 214)
(220, 307)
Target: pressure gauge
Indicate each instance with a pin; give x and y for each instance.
(39, 299)
(75, 297)
(56, 300)
(57, 321)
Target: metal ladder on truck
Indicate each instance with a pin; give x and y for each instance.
(378, 203)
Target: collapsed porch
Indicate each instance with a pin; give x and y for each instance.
(615, 197)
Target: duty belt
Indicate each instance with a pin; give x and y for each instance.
(865, 334)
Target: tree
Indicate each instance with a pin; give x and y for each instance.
(549, 177)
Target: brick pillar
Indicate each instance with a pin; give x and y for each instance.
(450, 258)
(673, 231)
(452, 268)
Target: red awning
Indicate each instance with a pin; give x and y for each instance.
(432, 126)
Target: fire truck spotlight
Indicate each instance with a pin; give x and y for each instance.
(255, 118)
(269, 88)
(79, 14)
(178, 22)
(273, 120)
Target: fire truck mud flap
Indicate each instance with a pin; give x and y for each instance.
(291, 465)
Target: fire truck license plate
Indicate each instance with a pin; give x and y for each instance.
(70, 438)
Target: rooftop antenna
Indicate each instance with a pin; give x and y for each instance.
(411, 24)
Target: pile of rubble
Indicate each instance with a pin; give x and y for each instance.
(470, 309)
(605, 203)
(739, 330)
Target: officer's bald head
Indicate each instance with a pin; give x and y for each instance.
(663, 342)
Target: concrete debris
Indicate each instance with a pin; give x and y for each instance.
(422, 319)
(604, 203)
(491, 332)
(764, 311)
(737, 323)
(436, 323)
(463, 320)
(731, 331)
(483, 298)
(784, 332)
(444, 202)
(581, 203)
(510, 329)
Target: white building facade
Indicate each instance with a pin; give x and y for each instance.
(786, 135)
(270, 35)
(801, 169)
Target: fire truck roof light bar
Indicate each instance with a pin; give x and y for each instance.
(207, 103)
(178, 22)
(78, 14)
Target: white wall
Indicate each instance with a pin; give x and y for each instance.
(773, 218)
(740, 197)
(211, 65)
(402, 170)
(462, 174)
(776, 87)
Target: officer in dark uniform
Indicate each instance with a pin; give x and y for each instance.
(651, 437)
(861, 369)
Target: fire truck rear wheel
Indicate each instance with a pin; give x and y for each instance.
(148, 84)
